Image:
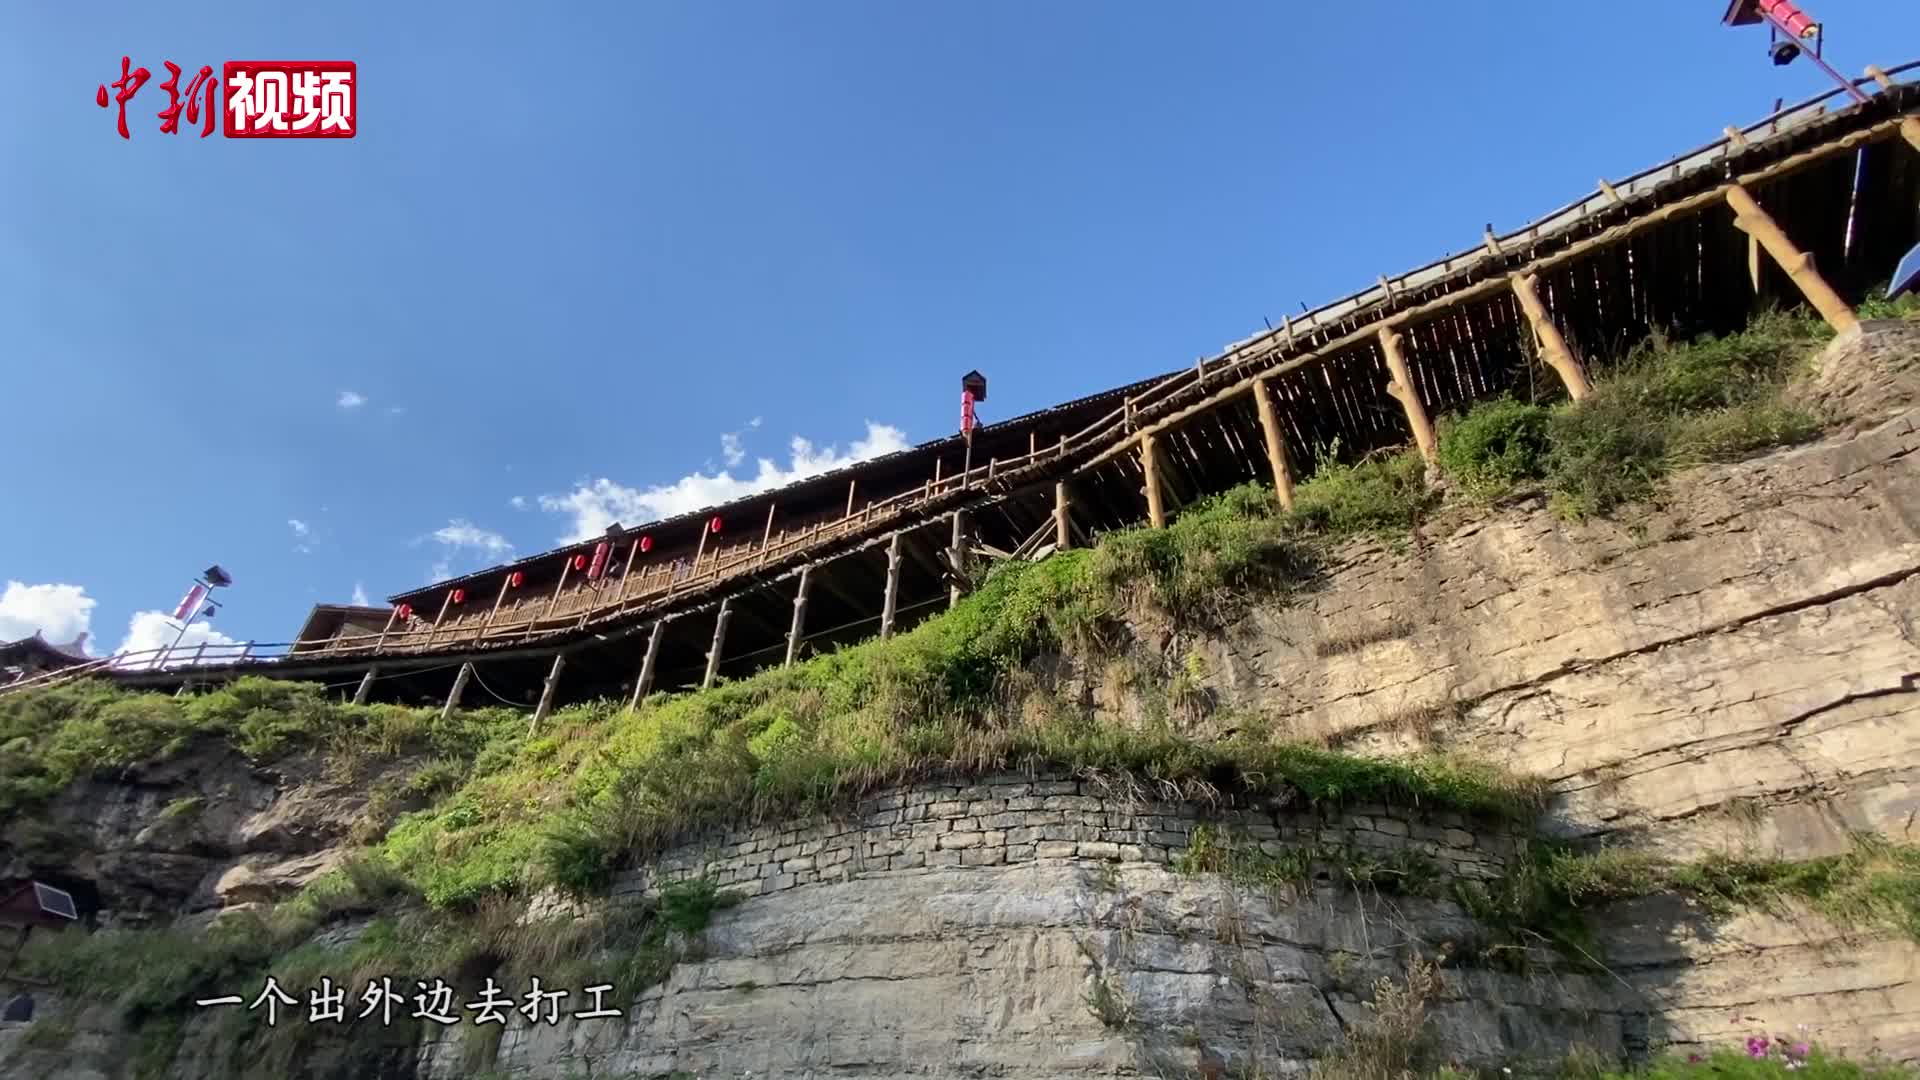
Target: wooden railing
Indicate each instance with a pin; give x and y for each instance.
(562, 612)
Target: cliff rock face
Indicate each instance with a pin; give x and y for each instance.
(199, 832)
(1736, 667)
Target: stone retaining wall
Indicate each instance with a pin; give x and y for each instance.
(1015, 818)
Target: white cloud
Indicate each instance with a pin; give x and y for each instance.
(599, 504)
(460, 533)
(360, 596)
(731, 448)
(60, 613)
(396, 410)
(149, 630)
(300, 528)
(349, 399)
(518, 502)
(466, 547)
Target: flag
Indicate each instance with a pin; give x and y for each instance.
(192, 601)
(1906, 276)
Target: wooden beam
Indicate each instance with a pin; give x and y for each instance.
(552, 683)
(1062, 523)
(459, 687)
(1909, 125)
(1280, 365)
(366, 685)
(1276, 444)
(1150, 462)
(1612, 193)
(892, 601)
(505, 580)
(957, 557)
(798, 628)
(1402, 388)
(1798, 264)
(1553, 346)
(719, 639)
(644, 684)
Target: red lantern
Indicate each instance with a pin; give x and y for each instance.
(646, 544)
(599, 560)
(403, 613)
(459, 596)
(516, 579)
(579, 562)
(714, 525)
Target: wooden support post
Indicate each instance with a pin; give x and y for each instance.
(893, 587)
(1276, 443)
(497, 601)
(1062, 524)
(1613, 194)
(767, 533)
(1150, 461)
(644, 684)
(851, 484)
(626, 573)
(437, 619)
(566, 568)
(392, 617)
(719, 639)
(366, 685)
(545, 706)
(957, 556)
(1403, 391)
(1757, 223)
(459, 687)
(1553, 346)
(799, 626)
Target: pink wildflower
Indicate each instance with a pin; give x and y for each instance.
(1757, 1046)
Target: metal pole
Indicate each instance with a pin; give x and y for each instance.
(1845, 83)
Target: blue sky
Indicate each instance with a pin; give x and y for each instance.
(587, 261)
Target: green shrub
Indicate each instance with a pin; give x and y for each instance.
(1496, 446)
(1668, 405)
(1377, 496)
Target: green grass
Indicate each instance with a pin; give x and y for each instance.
(1380, 495)
(1735, 1065)
(1664, 406)
(1544, 898)
(50, 738)
(154, 976)
(1242, 860)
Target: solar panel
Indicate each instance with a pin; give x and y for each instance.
(55, 901)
